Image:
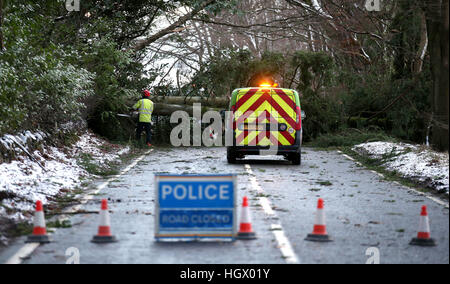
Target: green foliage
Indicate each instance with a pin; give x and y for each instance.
(315, 75)
(407, 23)
(37, 90)
(307, 72)
(161, 130)
(38, 86)
(227, 70)
(315, 70)
(406, 119)
(58, 69)
(324, 115)
(349, 137)
(92, 167)
(65, 67)
(367, 101)
(118, 82)
(219, 6)
(65, 224)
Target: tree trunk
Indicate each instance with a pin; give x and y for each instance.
(437, 24)
(167, 110)
(173, 104)
(423, 45)
(2, 46)
(442, 103)
(216, 102)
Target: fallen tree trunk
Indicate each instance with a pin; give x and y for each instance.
(222, 102)
(168, 109)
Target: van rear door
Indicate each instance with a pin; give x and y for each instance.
(259, 114)
(253, 109)
(283, 110)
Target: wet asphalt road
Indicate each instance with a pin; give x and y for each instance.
(362, 209)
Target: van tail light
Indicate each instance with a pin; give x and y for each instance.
(298, 125)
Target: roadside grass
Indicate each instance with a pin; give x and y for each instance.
(376, 165)
(68, 197)
(348, 137)
(25, 228)
(20, 229)
(110, 168)
(86, 161)
(72, 197)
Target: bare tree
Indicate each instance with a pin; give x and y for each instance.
(174, 27)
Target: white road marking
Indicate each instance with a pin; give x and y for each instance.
(438, 201)
(264, 201)
(378, 174)
(350, 158)
(23, 253)
(89, 196)
(432, 198)
(347, 156)
(28, 249)
(283, 242)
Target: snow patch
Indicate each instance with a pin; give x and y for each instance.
(417, 162)
(9, 142)
(23, 181)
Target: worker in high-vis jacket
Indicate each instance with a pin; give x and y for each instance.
(145, 107)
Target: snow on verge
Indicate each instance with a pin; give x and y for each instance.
(416, 162)
(23, 181)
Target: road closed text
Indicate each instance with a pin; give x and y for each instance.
(181, 218)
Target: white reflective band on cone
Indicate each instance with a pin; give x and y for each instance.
(39, 220)
(424, 225)
(320, 217)
(104, 218)
(245, 216)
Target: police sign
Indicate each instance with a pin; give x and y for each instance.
(195, 207)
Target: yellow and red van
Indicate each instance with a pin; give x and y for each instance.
(265, 118)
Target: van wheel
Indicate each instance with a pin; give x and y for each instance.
(231, 156)
(296, 158)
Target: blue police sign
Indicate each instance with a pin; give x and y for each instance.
(195, 207)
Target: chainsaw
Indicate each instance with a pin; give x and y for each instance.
(133, 116)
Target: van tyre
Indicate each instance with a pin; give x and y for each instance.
(296, 159)
(231, 156)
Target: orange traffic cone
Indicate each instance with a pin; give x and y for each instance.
(104, 229)
(245, 229)
(319, 233)
(423, 236)
(39, 231)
